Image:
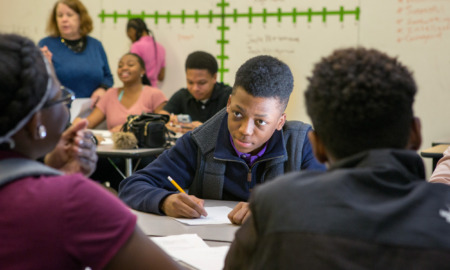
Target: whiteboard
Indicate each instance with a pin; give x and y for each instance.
(299, 32)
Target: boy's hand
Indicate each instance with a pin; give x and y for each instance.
(240, 213)
(184, 206)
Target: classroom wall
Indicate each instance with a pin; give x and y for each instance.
(298, 32)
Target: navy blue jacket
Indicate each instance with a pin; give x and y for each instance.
(205, 162)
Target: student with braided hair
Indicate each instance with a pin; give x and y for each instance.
(145, 45)
(46, 217)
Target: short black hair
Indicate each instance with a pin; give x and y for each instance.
(360, 99)
(23, 79)
(265, 76)
(202, 60)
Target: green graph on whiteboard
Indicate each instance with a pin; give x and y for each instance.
(223, 16)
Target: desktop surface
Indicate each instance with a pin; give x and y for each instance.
(213, 234)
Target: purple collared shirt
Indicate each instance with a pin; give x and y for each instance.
(248, 158)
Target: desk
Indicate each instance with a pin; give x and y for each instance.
(213, 235)
(435, 152)
(440, 141)
(108, 151)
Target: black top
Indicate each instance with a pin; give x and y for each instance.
(182, 102)
(373, 210)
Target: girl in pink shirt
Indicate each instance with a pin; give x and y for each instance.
(148, 49)
(134, 97)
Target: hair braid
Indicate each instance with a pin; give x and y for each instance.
(23, 79)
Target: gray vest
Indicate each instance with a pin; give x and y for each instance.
(210, 173)
(18, 168)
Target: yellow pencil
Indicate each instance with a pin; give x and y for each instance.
(175, 184)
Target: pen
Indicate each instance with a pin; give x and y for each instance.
(175, 184)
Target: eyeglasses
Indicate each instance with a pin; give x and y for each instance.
(67, 96)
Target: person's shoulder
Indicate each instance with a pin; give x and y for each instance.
(93, 39)
(182, 93)
(182, 90)
(94, 42)
(289, 185)
(56, 186)
(47, 40)
(295, 125)
(111, 92)
(222, 91)
(212, 124)
(82, 192)
(223, 87)
(160, 47)
(71, 180)
(107, 99)
(295, 130)
(151, 89)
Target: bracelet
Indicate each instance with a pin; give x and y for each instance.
(94, 140)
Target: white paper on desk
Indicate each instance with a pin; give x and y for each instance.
(102, 132)
(105, 134)
(192, 250)
(210, 258)
(107, 141)
(216, 215)
(175, 244)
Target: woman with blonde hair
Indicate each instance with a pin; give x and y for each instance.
(80, 61)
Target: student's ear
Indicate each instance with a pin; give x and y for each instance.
(281, 121)
(317, 146)
(32, 126)
(415, 135)
(215, 77)
(228, 104)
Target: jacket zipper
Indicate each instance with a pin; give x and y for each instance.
(249, 173)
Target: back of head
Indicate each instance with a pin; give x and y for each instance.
(23, 80)
(265, 76)
(202, 60)
(86, 25)
(139, 25)
(360, 99)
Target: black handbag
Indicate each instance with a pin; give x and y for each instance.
(149, 128)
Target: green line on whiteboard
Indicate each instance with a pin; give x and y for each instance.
(211, 15)
(294, 16)
(222, 41)
(324, 13)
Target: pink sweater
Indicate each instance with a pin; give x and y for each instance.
(145, 48)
